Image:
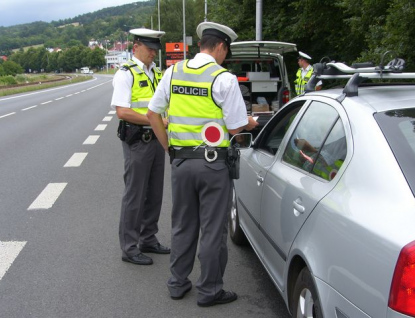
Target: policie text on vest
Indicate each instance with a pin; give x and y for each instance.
(186, 90)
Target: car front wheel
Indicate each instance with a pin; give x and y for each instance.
(235, 231)
(305, 299)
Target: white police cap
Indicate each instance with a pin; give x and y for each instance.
(304, 56)
(221, 31)
(149, 38)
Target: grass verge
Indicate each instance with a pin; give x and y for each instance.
(5, 91)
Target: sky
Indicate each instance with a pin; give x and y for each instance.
(14, 12)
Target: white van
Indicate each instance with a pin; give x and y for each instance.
(262, 76)
(261, 71)
(85, 70)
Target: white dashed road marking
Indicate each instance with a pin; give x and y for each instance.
(76, 159)
(101, 127)
(7, 115)
(29, 108)
(91, 140)
(49, 101)
(59, 98)
(8, 253)
(112, 112)
(48, 196)
(107, 118)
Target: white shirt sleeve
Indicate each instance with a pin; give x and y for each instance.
(227, 94)
(122, 82)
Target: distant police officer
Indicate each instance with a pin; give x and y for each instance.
(304, 73)
(200, 92)
(134, 85)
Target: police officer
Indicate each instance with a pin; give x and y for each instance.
(200, 91)
(304, 73)
(134, 85)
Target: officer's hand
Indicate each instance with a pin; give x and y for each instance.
(252, 123)
(165, 122)
(304, 145)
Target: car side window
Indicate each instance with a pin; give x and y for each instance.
(318, 144)
(278, 128)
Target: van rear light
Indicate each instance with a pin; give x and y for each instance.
(402, 293)
(285, 96)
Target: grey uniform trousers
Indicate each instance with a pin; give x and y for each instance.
(201, 202)
(143, 194)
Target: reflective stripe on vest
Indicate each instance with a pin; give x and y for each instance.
(300, 82)
(192, 105)
(142, 89)
(325, 171)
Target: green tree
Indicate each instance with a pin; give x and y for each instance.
(400, 31)
(96, 58)
(11, 68)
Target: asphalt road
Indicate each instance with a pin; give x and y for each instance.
(61, 184)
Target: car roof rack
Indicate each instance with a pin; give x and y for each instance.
(357, 74)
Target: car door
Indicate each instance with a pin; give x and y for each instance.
(298, 179)
(254, 165)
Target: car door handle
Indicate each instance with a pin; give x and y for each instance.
(260, 179)
(298, 207)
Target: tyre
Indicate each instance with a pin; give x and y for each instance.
(235, 231)
(305, 302)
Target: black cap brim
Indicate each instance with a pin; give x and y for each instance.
(152, 43)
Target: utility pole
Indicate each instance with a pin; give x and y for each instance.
(184, 30)
(158, 12)
(258, 36)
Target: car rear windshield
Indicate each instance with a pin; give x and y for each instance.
(241, 67)
(398, 127)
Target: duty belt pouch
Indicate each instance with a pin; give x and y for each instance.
(133, 134)
(233, 162)
(121, 130)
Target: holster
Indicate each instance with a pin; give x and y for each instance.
(121, 131)
(133, 133)
(233, 162)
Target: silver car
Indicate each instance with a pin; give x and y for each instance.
(326, 199)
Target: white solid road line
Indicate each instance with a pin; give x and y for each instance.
(53, 89)
(91, 140)
(76, 159)
(8, 253)
(48, 196)
(101, 127)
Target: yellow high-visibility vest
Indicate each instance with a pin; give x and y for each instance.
(142, 88)
(301, 82)
(192, 105)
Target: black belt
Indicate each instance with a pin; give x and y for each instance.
(210, 154)
(141, 133)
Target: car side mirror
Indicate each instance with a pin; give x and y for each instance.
(242, 140)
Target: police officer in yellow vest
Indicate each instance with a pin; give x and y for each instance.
(134, 85)
(199, 91)
(304, 73)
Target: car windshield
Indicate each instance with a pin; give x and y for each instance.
(398, 127)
